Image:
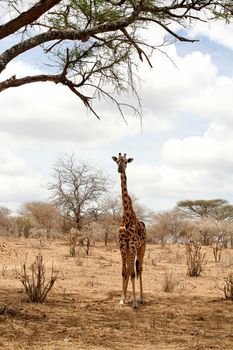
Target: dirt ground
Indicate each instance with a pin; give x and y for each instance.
(81, 311)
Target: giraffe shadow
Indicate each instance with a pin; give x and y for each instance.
(114, 297)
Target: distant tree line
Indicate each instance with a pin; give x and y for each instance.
(208, 221)
(80, 198)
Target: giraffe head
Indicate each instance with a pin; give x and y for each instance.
(122, 162)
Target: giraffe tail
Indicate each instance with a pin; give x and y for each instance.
(137, 267)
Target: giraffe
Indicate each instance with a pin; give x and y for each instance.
(132, 237)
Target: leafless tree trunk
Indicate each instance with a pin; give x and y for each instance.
(77, 188)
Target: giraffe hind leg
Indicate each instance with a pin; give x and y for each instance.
(124, 257)
(140, 256)
(131, 268)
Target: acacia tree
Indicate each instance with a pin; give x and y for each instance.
(91, 45)
(201, 208)
(43, 213)
(77, 188)
(209, 215)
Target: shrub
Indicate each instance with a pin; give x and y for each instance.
(35, 283)
(228, 287)
(82, 239)
(195, 258)
(169, 282)
(217, 250)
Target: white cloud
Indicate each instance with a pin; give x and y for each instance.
(191, 152)
(44, 119)
(199, 153)
(198, 165)
(173, 88)
(10, 164)
(53, 114)
(19, 182)
(217, 31)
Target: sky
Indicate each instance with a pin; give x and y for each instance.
(182, 147)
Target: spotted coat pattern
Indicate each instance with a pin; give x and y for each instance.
(132, 237)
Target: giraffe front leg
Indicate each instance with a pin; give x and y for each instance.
(125, 279)
(132, 273)
(124, 287)
(125, 274)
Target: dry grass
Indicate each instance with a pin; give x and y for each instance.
(81, 312)
(169, 282)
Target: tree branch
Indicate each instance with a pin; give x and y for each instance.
(13, 82)
(175, 35)
(139, 50)
(68, 34)
(27, 17)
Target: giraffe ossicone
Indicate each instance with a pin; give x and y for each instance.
(132, 237)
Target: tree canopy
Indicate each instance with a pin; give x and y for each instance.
(77, 188)
(218, 209)
(89, 46)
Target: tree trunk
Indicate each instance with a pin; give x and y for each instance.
(106, 237)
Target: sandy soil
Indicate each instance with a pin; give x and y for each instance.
(81, 311)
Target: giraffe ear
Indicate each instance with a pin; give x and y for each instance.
(129, 160)
(114, 158)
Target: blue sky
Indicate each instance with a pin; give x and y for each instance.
(182, 151)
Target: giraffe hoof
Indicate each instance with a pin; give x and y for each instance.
(135, 305)
(141, 301)
(121, 302)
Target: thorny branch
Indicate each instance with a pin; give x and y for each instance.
(93, 43)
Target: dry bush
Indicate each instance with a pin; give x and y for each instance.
(228, 287)
(35, 283)
(169, 282)
(85, 244)
(82, 239)
(3, 270)
(217, 250)
(195, 258)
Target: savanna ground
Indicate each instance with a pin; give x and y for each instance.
(81, 311)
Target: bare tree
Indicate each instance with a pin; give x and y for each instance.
(5, 222)
(179, 226)
(89, 46)
(161, 227)
(111, 217)
(112, 208)
(170, 226)
(77, 188)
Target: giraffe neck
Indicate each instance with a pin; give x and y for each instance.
(128, 213)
